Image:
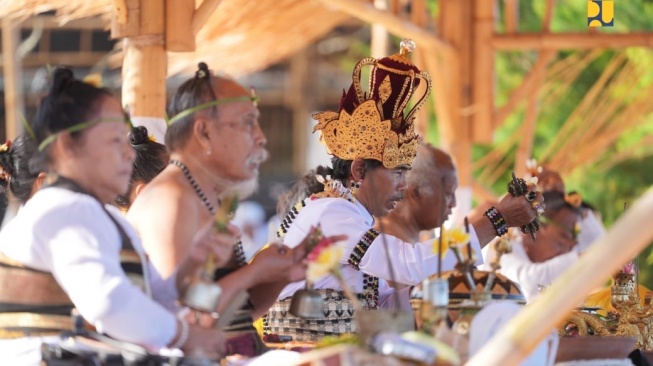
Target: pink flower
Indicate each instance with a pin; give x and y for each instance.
(629, 268)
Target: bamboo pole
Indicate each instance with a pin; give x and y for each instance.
(418, 13)
(548, 15)
(379, 40)
(466, 109)
(418, 17)
(145, 59)
(203, 13)
(13, 77)
(127, 22)
(144, 76)
(367, 13)
(482, 83)
(120, 11)
(299, 97)
(531, 325)
(511, 15)
(559, 41)
(455, 138)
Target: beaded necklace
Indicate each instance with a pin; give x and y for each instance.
(194, 184)
(332, 188)
(335, 189)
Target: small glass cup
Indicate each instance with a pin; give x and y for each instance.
(436, 291)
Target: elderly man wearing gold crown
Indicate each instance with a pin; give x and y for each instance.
(373, 143)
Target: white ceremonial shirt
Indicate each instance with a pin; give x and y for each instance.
(411, 263)
(519, 268)
(591, 228)
(69, 235)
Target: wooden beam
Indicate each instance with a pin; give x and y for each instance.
(559, 41)
(45, 42)
(418, 13)
(132, 26)
(178, 28)
(120, 11)
(52, 22)
(86, 41)
(144, 73)
(511, 15)
(483, 72)
(152, 17)
(455, 138)
(548, 15)
(368, 14)
(203, 13)
(72, 59)
(418, 16)
(145, 63)
(300, 99)
(13, 78)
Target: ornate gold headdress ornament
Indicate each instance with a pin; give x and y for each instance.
(5, 148)
(374, 125)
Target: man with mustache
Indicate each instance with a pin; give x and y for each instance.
(216, 146)
(373, 143)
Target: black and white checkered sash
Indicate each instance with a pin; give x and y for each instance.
(338, 310)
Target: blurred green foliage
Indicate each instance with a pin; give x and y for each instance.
(606, 189)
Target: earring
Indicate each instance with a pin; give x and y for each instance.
(354, 186)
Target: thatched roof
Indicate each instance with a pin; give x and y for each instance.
(245, 36)
(241, 37)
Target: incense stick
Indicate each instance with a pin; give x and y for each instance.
(442, 199)
(636, 265)
(469, 241)
(440, 251)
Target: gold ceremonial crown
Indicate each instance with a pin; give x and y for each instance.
(374, 126)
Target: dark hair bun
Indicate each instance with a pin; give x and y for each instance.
(61, 79)
(202, 71)
(138, 135)
(324, 171)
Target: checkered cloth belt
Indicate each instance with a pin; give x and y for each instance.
(338, 318)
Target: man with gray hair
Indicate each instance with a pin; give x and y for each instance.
(433, 178)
